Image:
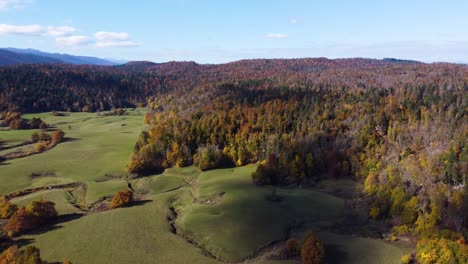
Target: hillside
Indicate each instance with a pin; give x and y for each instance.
(12, 56)
(366, 153)
(35, 88)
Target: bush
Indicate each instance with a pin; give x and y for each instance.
(7, 209)
(35, 137)
(119, 111)
(44, 137)
(35, 123)
(57, 136)
(19, 123)
(407, 259)
(291, 248)
(42, 210)
(40, 147)
(43, 126)
(312, 250)
(27, 218)
(122, 198)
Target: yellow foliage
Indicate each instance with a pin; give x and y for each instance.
(40, 147)
(7, 209)
(370, 184)
(122, 198)
(406, 259)
(374, 212)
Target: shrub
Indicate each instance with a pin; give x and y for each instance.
(7, 209)
(119, 111)
(35, 123)
(122, 198)
(30, 255)
(291, 248)
(44, 137)
(35, 137)
(19, 123)
(407, 259)
(20, 221)
(312, 250)
(43, 126)
(57, 136)
(40, 147)
(42, 210)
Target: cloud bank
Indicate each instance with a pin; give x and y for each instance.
(64, 35)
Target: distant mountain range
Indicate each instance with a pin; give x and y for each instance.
(12, 56)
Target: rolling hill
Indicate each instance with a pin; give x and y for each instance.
(12, 56)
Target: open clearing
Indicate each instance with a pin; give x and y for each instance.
(220, 211)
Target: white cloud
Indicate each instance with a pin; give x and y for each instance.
(15, 4)
(113, 40)
(60, 31)
(277, 35)
(75, 40)
(111, 36)
(34, 30)
(63, 35)
(113, 44)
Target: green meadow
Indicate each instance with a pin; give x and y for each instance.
(183, 216)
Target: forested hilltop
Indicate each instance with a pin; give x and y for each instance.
(399, 127)
(36, 88)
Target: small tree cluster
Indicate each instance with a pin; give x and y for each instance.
(35, 214)
(45, 141)
(312, 250)
(29, 255)
(40, 137)
(211, 157)
(122, 198)
(13, 120)
(441, 251)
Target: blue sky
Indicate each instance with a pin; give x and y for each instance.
(220, 31)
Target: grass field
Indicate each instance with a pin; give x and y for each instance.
(220, 210)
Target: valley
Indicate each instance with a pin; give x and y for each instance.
(220, 215)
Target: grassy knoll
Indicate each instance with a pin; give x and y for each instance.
(249, 221)
(357, 250)
(97, 146)
(59, 197)
(139, 234)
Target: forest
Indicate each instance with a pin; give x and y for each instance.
(398, 127)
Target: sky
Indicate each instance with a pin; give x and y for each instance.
(218, 31)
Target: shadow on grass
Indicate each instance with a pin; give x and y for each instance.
(139, 203)
(22, 242)
(55, 224)
(334, 254)
(70, 139)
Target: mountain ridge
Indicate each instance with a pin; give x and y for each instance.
(12, 56)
